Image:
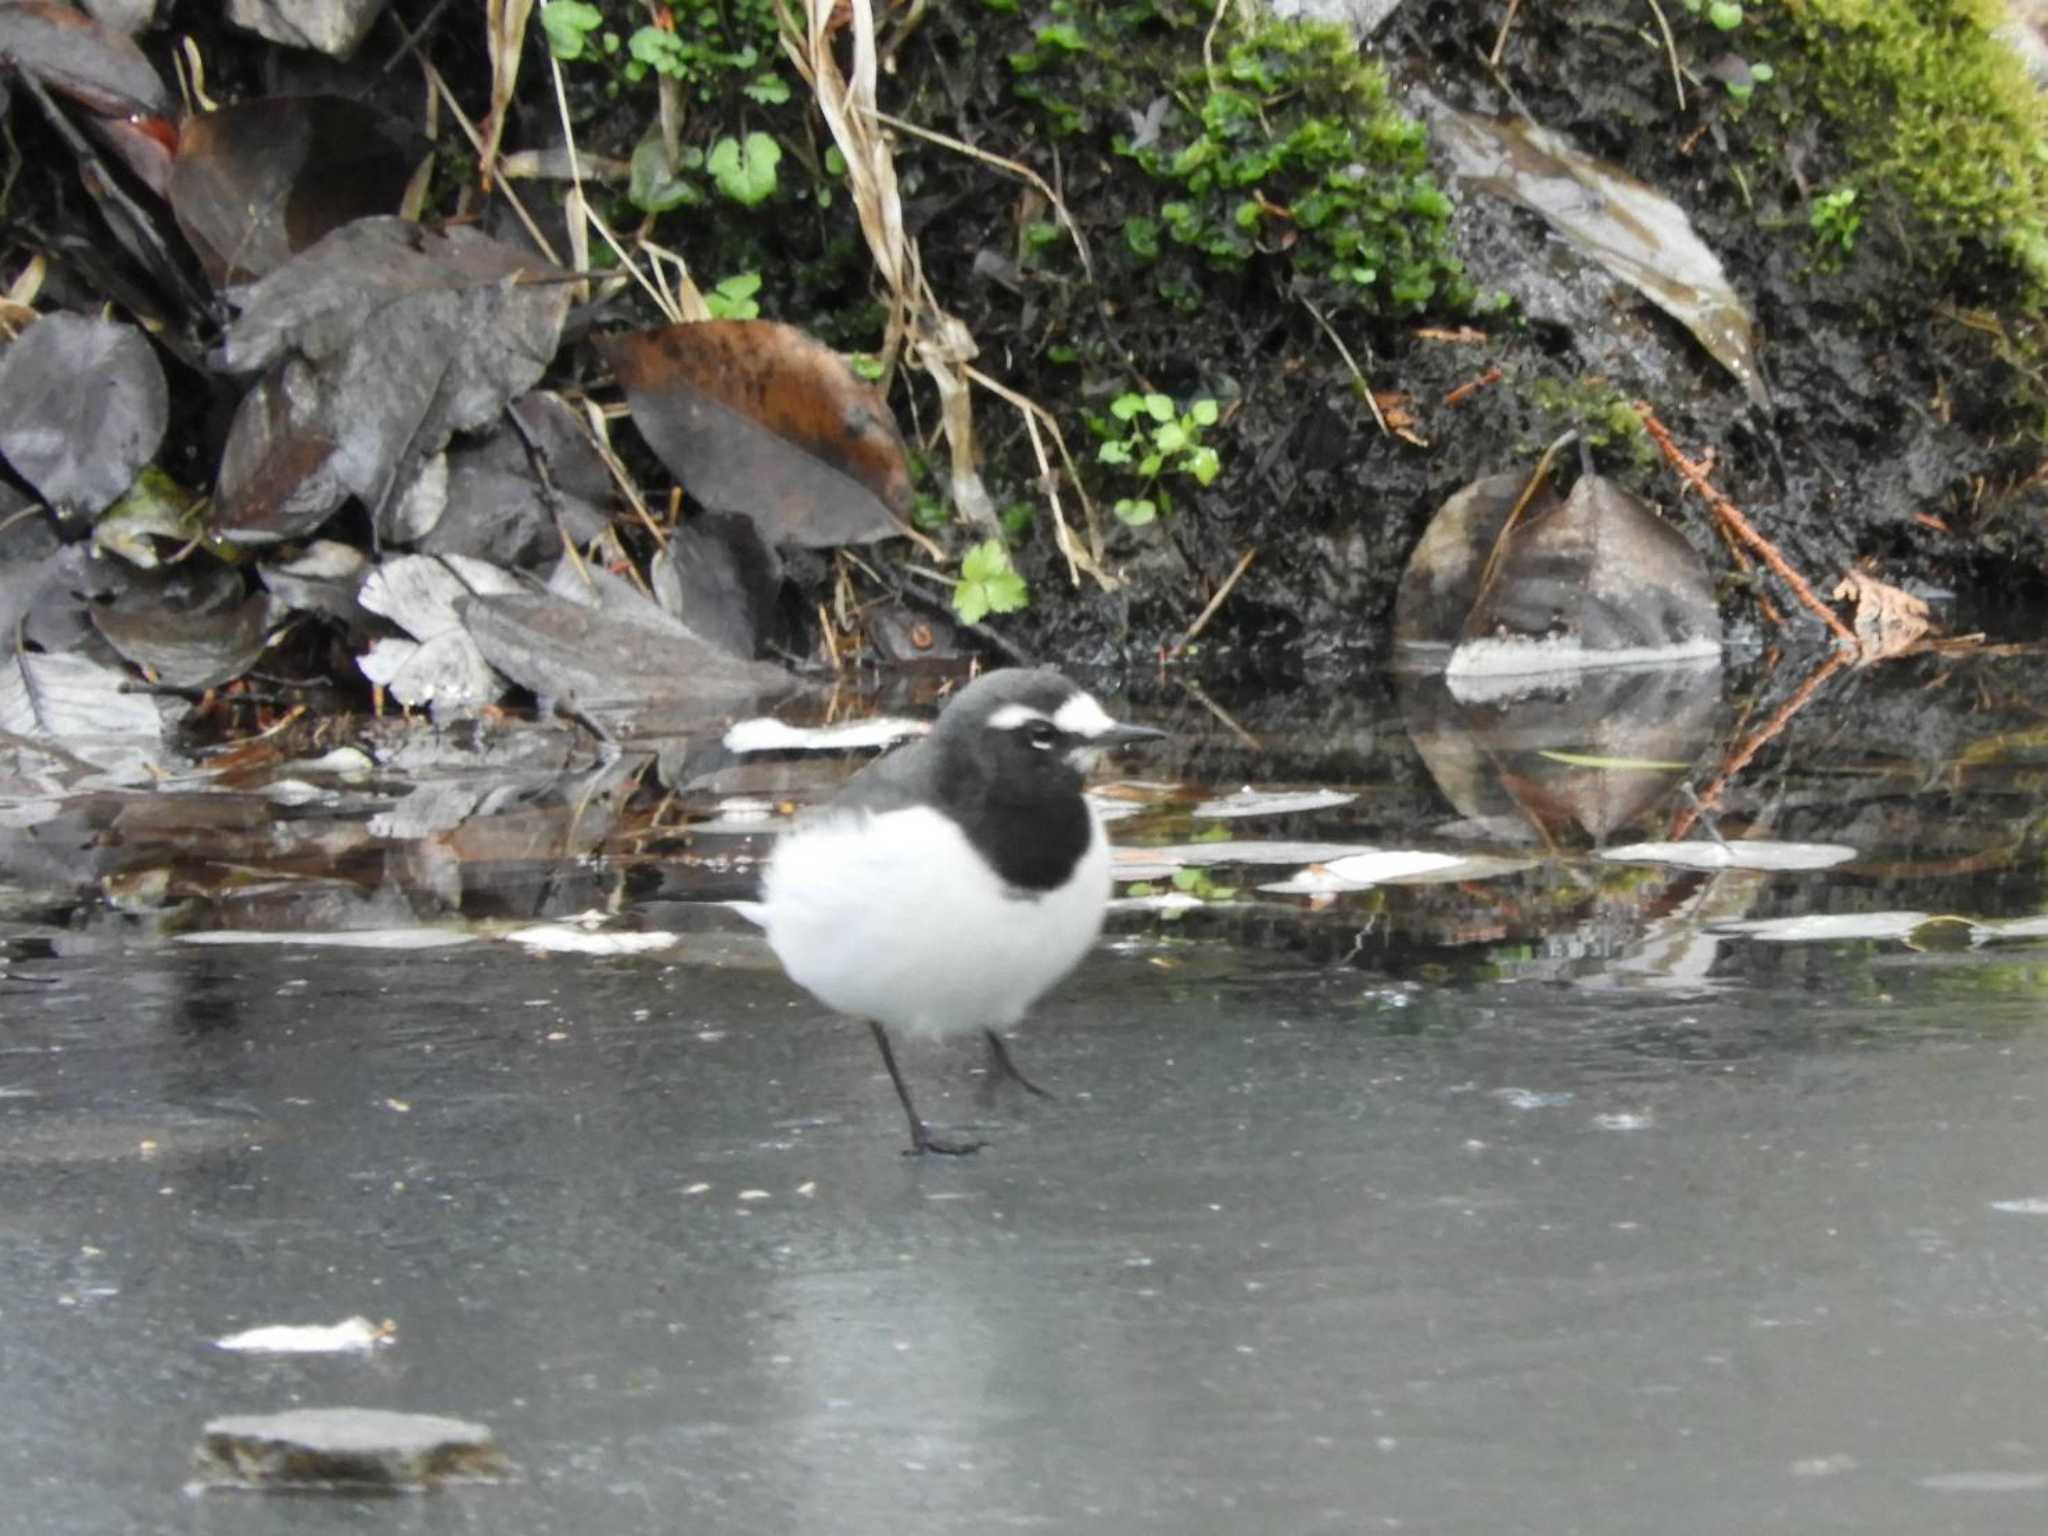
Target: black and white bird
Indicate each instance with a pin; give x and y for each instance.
(949, 884)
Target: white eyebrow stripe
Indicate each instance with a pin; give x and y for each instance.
(1010, 716)
(1082, 716)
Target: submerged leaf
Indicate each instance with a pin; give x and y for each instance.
(757, 417)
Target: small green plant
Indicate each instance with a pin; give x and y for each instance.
(988, 583)
(745, 170)
(1746, 77)
(1151, 438)
(569, 25)
(733, 298)
(1283, 152)
(1835, 219)
(1724, 14)
(1191, 880)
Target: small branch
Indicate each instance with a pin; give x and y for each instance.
(1741, 754)
(1244, 563)
(1730, 517)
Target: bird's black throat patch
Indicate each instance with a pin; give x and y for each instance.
(1033, 844)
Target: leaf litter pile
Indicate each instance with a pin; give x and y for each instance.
(334, 382)
(415, 500)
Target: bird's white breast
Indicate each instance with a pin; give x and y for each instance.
(895, 917)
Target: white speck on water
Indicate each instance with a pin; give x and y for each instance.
(808, 1187)
(1625, 1120)
(1474, 1144)
(2031, 1205)
(1387, 1443)
(697, 1188)
(1141, 1261)
(1986, 1482)
(710, 1036)
(752, 1194)
(1824, 1466)
(1529, 1098)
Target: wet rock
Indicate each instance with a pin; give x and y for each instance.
(313, 1448)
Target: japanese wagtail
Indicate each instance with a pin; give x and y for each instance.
(949, 884)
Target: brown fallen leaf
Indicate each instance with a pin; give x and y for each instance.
(1888, 621)
(255, 183)
(757, 417)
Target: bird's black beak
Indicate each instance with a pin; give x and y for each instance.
(1122, 735)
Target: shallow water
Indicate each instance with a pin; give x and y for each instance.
(1544, 1195)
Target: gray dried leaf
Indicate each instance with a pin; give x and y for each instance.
(410, 335)
(86, 409)
(71, 717)
(184, 649)
(609, 663)
(1631, 229)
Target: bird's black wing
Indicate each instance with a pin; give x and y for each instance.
(893, 783)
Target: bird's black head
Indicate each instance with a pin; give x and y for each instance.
(1010, 752)
(1027, 727)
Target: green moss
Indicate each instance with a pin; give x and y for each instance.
(1288, 153)
(1938, 111)
(1602, 414)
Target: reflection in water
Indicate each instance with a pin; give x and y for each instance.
(1579, 758)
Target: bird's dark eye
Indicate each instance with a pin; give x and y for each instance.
(1042, 735)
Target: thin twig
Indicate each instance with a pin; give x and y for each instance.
(1015, 168)
(1730, 516)
(1244, 563)
(1670, 52)
(1245, 738)
(476, 142)
(1500, 42)
(1357, 374)
(1740, 756)
(1496, 557)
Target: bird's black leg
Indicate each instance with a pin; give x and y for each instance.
(921, 1138)
(999, 1053)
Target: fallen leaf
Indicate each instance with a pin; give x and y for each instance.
(402, 337)
(614, 663)
(496, 508)
(86, 409)
(1888, 621)
(255, 183)
(759, 418)
(721, 579)
(183, 649)
(1597, 579)
(74, 54)
(440, 666)
(83, 714)
(1630, 229)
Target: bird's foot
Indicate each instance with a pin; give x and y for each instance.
(926, 1142)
